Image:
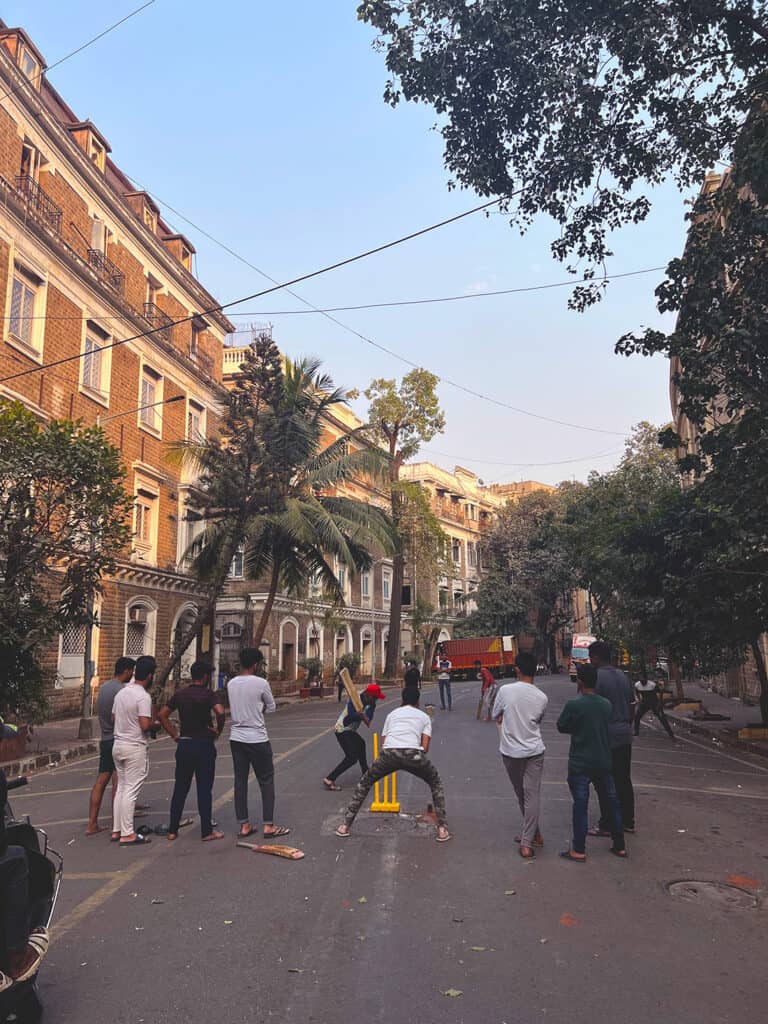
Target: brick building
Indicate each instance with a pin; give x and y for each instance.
(86, 260)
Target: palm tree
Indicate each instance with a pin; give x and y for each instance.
(268, 484)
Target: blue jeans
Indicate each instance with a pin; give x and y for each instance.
(606, 791)
(444, 686)
(194, 758)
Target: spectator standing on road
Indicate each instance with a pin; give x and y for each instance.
(651, 700)
(104, 704)
(587, 720)
(195, 747)
(444, 666)
(488, 690)
(350, 741)
(407, 731)
(519, 709)
(614, 685)
(132, 714)
(412, 676)
(249, 699)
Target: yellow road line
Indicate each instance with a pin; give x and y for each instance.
(100, 897)
(82, 875)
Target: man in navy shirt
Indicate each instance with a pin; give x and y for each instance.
(351, 743)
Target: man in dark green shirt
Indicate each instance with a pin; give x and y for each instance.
(586, 720)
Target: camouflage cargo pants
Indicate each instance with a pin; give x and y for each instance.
(415, 762)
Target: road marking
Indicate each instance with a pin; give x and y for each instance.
(105, 892)
(683, 789)
(83, 875)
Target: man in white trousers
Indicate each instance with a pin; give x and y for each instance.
(132, 714)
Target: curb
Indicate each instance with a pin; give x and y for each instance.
(48, 759)
(726, 738)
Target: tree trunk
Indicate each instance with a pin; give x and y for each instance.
(429, 653)
(762, 675)
(258, 635)
(676, 677)
(392, 666)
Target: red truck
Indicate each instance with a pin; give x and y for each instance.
(496, 653)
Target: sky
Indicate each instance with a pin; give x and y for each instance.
(264, 124)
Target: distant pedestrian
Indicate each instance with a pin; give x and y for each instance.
(614, 685)
(407, 731)
(349, 739)
(412, 676)
(488, 690)
(104, 704)
(444, 666)
(651, 699)
(519, 708)
(249, 699)
(339, 685)
(195, 747)
(586, 720)
(132, 713)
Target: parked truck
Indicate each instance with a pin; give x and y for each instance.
(496, 653)
(580, 652)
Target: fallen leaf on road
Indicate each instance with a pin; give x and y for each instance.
(362, 900)
(295, 970)
(510, 892)
(453, 993)
(156, 902)
(478, 949)
(744, 881)
(568, 921)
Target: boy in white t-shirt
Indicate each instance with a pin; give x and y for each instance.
(406, 732)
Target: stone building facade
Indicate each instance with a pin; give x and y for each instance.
(86, 261)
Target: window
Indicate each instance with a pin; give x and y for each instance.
(30, 163)
(98, 234)
(139, 630)
(341, 576)
(149, 218)
(145, 522)
(151, 397)
(194, 343)
(443, 598)
(231, 629)
(471, 554)
(386, 585)
(97, 153)
(238, 564)
(195, 421)
(186, 258)
(29, 66)
(456, 550)
(94, 361)
(365, 585)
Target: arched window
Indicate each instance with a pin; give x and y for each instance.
(231, 629)
(140, 623)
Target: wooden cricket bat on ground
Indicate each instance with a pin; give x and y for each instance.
(289, 852)
(349, 686)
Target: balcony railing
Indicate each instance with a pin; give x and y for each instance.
(40, 202)
(156, 318)
(110, 274)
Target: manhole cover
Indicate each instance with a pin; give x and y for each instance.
(730, 897)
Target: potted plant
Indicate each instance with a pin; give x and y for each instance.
(314, 669)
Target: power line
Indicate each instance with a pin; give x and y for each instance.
(451, 298)
(266, 291)
(363, 337)
(523, 465)
(83, 46)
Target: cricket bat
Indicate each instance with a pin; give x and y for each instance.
(289, 852)
(349, 686)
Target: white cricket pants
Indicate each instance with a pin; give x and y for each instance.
(132, 766)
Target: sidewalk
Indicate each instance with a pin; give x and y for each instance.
(738, 715)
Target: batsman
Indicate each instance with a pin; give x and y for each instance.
(358, 711)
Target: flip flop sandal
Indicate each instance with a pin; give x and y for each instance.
(332, 787)
(39, 940)
(140, 840)
(342, 835)
(526, 856)
(619, 853)
(566, 855)
(443, 839)
(596, 831)
(281, 830)
(114, 839)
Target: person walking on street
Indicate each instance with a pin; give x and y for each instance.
(407, 731)
(132, 714)
(587, 721)
(249, 699)
(444, 666)
(412, 676)
(195, 747)
(651, 700)
(104, 704)
(614, 685)
(519, 708)
(488, 690)
(350, 741)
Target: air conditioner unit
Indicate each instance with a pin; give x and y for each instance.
(138, 615)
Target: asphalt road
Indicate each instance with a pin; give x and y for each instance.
(379, 926)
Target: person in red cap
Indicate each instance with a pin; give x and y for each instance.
(346, 730)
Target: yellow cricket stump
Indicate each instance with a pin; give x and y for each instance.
(385, 805)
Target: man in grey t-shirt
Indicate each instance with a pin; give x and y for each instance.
(249, 698)
(614, 685)
(104, 701)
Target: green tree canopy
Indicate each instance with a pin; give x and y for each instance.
(63, 521)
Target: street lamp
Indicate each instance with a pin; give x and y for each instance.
(85, 729)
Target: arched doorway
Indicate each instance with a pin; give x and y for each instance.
(185, 617)
(288, 641)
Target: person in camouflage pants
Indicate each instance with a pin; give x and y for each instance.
(407, 732)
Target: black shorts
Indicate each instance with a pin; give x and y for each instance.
(106, 763)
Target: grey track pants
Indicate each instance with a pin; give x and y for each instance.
(525, 775)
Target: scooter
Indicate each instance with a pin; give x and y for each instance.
(21, 1003)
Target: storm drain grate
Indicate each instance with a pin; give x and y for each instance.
(729, 897)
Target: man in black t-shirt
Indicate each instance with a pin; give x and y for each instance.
(195, 747)
(412, 675)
